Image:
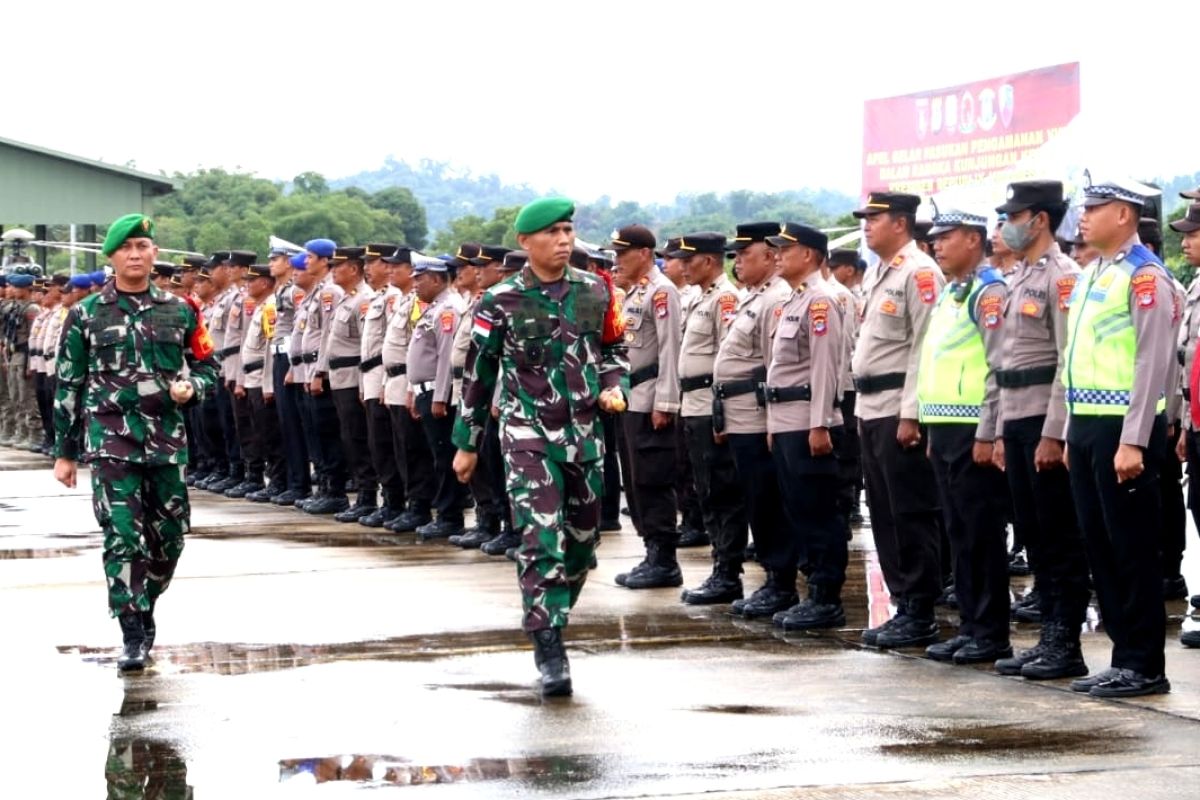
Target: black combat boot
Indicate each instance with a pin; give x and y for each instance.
(149, 628)
(693, 537)
(500, 545)
(724, 585)
(133, 656)
(944, 651)
(981, 651)
(484, 530)
(663, 573)
(1029, 607)
(916, 627)
(388, 511)
(1014, 665)
(439, 529)
(409, 520)
(1061, 657)
(365, 504)
(642, 566)
(1175, 588)
(776, 595)
(823, 610)
(550, 656)
(328, 503)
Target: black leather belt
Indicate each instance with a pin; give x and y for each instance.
(788, 394)
(253, 366)
(35, 353)
(371, 363)
(295, 361)
(1020, 378)
(341, 362)
(457, 372)
(308, 358)
(21, 348)
(396, 369)
(228, 351)
(1187, 395)
(873, 384)
(695, 382)
(728, 389)
(639, 376)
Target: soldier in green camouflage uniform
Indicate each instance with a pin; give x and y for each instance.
(550, 335)
(118, 404)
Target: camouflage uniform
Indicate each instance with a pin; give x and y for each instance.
(6, 409)
(553, 348)
(21, 393)
(118, 355)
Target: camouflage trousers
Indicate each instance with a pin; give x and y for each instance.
(143, 511)
(22, 400)
(556, 507)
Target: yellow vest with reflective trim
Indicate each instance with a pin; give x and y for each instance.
(953, 371)
(1101, 342)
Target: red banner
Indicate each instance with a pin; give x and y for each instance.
(930, 141)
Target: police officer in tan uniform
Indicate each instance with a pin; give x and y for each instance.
(287, 394)
(410, 450)
(339, 358)
(51, 333)
(900, 292)
(740, 415)
(648, 446)
(431, 390)
(1033, 420)
(219, 270)
(236, 323)
(804, 422)
(1188, 449)
(718, 491)
(251, 386)
(379, 423)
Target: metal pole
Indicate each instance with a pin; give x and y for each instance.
(72, 249)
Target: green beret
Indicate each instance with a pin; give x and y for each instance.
(541, 214)
(126, 227)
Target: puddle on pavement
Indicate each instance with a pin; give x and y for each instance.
(952, 741)
(539, 772)
(142, 767)
(760, 711)
(40, 552)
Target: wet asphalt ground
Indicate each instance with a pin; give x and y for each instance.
(300, 657)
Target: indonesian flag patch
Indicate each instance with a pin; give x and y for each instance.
(482, 327)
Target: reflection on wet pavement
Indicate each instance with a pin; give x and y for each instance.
(1014, 741)
(141, 768)
(543, 772)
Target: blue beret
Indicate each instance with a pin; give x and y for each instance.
(98, 277)
(299, 261)
(321, 248)
(20, 281)
(80, 281)
(3, 280)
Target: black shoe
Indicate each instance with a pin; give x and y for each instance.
(511, 554)
(303, 502)
(327, 504)
(724, 585)
(1190, 638)
(288, 497)
(223, 486)
(474, 538)
(1061, 660)
(209, 480)
(640, 567)
(550, 656)
(1017, 563)
(195, 477)
(663, 574)
(357, 511)
(1127, 683)
(690, 537)
(377, 517)
(948, 598)
(812, 615)
(610, 525)
(1175, 588)
(1028, 608)
(440, 529)
(909, 631)
(1085, 684)
(244, 488)
(409, 520)
(776, 595)
(1195, 601)
(944, 651)
(133, 635)
(263, 495)
(1014, 664)
(979, 651)
(870, 636)
(500, 545)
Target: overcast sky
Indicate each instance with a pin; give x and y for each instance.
(637, 100)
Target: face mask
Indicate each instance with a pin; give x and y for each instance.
(1018, 236)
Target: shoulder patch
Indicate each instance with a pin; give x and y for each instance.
(1065, 287)
(327, 301)
(661, 307)
(391, 303)
(446, 320)
(818, 317)
(991, 311)
(1145, 290)
(363, 308)
(926, 285)
(727, 306)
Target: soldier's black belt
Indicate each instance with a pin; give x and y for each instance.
(874, 384)
(1020, 378)
(1181, 356)
(253, 366)
(341, 362)
(457, 372)
(35, 353)
(788, 394)
(695, 382)
(21, 348)
(227, 352)
(307, 358)
(295, 361)
(371, 363)
(396, 369)
(639, 376)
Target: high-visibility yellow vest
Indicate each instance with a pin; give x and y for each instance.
(1101, 341)
(953, 371)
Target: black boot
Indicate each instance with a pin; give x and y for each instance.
(327, 504)
(642, 566)
(408, 520)
(1175, 588)
(663, 573)
(364, 505)
(823, 610)
(440, 529)
(484, 530)
(777, 594)
(149, 628)
(550, 656)
(1029, 607)
(916, 627)
(1014, 665)
(500, 545)
(724, 585)
(693, 537)
(1061, 658)
(133, 656)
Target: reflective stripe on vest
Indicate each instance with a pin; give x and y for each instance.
(953, 370)
(1101, 341)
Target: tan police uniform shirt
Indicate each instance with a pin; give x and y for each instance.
(240, 310)
(395, 349)
(652, 335)
(51, 337)
(846, 302)
(343, 337)
(899, 298)
(705, 325)
(318, 317)
(374, 327)
(806, 350)
(746, 350)
(1189, 328)
(285, 336)
(432, 346)
(1035, 325)
(256, 347)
